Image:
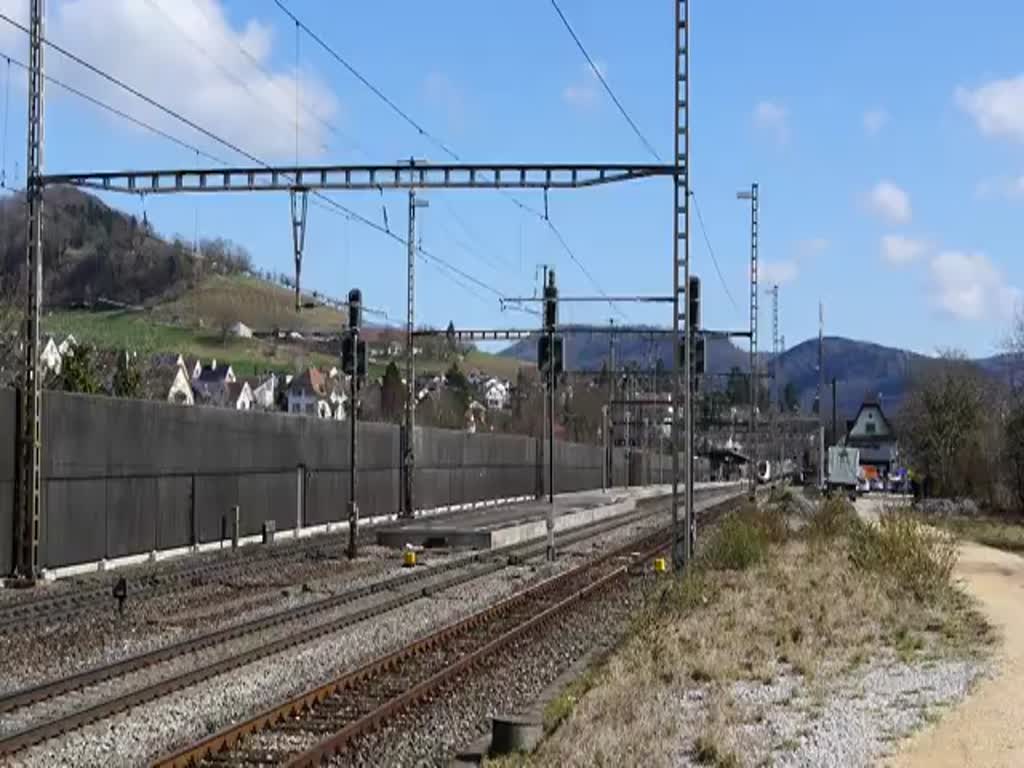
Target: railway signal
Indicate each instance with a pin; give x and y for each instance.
(353, 363)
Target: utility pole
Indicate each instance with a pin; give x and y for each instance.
(611, 398)
(410, 364)
(752, 196)
(605, 469)
(818, 395)
(835, 424)
(31, 437)
(681, 385)
(776, 351)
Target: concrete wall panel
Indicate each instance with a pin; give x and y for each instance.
(174, 512)
(119, 475)
(74, 527)
(131, 516)
(8, 468)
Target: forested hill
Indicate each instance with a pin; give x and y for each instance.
(92, 252)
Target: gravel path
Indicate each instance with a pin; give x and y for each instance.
(852, 720)
(155, 728)
(985, 730)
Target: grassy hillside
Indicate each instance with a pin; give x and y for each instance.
(143, 333)
(223, 300)
(193, 324)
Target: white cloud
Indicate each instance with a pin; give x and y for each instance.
(890, 202)
(777, 272)
(584, 93)
(899, 250)
(997, 107)
(812, 246)
(874, 121)
(969, 286)
(220, 89)
(440, 92)
(1004, 187)
(773, 119)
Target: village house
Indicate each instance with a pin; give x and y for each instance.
(307, 394)
(240, 330)
(874, 436)
(496, 394)
(211, 386)
(167, 382)
(50, 357)
(67, 346)
(264, 393)
(239, 396)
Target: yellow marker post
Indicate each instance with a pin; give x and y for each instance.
(409, 559)
(660, 565)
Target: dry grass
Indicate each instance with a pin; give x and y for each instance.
(911, 556)
(1001, 533)
(797, 604)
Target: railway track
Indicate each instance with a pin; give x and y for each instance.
(393, 593)
(324, 721)
(18, 614)
(248, 561)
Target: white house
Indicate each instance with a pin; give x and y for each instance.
(68, 345)
(240, 330)
(180, 390)
(496, 394)
(338, 401)
(264, 394)
(169, 383)
(239, 396)
(50, 357)
(212, 384)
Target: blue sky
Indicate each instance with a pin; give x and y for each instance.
(887, 139)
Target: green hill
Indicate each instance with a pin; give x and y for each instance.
(111, 280)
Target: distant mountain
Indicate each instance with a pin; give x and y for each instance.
(587, 351)
(860, 368)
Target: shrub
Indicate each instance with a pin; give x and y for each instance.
(738, 543)
(834, 517)
(912, 556)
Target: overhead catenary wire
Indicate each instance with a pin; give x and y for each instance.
(119, 113)
(601, 78)
(276, 85)
(421, 130)
(227, 143)
(232, 76)
(711, 250)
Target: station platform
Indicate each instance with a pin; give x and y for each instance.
(505, 525)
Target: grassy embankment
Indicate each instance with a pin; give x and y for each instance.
(764, 600)
(192, 326)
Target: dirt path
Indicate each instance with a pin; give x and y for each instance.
(985, 730)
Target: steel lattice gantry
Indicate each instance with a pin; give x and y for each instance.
(418, 175)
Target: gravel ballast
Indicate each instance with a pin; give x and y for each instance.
(432, 734)
(160, 726)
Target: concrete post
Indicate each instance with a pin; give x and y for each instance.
(235, 525)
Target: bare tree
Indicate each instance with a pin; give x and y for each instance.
(944, 422)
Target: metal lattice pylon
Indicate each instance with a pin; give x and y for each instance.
(682, 537)
(31, 436)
